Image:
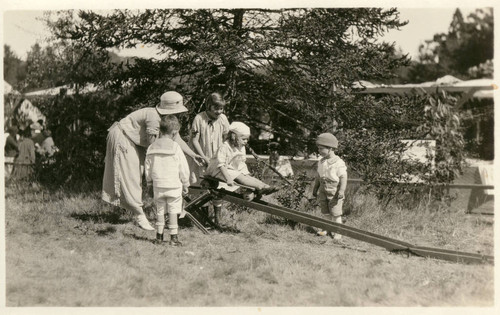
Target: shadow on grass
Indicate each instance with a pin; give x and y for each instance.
(114, 216)
(106, 231)
(138, 237)
(228, 229)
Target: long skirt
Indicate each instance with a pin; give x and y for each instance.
(9, 166)
(124, 165)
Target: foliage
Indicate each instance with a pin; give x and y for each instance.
(371, 142)
(62, 63)
(294, 64)
(441, 122)
(477, 115)
(14, 69)
(260, 60)
(483, 70)
(468, 43)
(79, 126)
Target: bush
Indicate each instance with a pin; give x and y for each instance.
(79, 126)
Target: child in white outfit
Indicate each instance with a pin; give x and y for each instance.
(168, 171)
(229, 164)
(331, 180)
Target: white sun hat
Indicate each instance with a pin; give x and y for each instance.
(171, 102)
(239, 128)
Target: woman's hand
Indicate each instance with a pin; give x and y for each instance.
(199, 160)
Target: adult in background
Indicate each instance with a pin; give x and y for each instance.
(126, 147)
(23, 164)
(10, 150)
(47, 148)
(36, 133)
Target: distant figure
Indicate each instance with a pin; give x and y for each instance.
(279, 163)
(11, 149)
(25, 114)
(23, 167)
(229, 163)
(36, 133)
(47, 148)
(209, 130)
(331, 180)
(167, 171)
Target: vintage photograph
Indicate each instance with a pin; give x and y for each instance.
(249, 156)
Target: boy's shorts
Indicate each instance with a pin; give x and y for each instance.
(331, 206)
(168, 200)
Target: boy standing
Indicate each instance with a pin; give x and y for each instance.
(167, 170)
(331, 180)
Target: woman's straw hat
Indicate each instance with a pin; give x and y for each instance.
(171, 102)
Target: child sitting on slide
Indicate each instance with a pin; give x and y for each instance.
(229, 163)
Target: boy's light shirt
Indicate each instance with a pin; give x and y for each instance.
(166, 165)
(331, 169)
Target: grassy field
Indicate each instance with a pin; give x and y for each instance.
(73, 250)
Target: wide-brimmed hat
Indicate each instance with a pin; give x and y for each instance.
(171, 102)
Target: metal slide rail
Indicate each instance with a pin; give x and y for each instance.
(390, 244)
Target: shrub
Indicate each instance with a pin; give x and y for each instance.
(79, 126)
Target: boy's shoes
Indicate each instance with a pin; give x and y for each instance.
(217, 216)
(337, 236)
(174, 241)
(323, 233)
(143, 222)
(159, 239)
(268, 190)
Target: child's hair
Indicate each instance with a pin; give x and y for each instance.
(215, 100)
(13, 130)
(169, 124)
(26, 133)
(232, 138)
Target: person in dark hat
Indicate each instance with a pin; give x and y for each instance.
(126, 147)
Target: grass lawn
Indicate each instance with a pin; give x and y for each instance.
(74, 250)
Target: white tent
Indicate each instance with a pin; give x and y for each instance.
(89, 88)
(26, 113)
(7, 89)
(480, 88)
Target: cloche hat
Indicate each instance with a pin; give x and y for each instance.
(171, 102)
(239, 128)
(327, 140)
